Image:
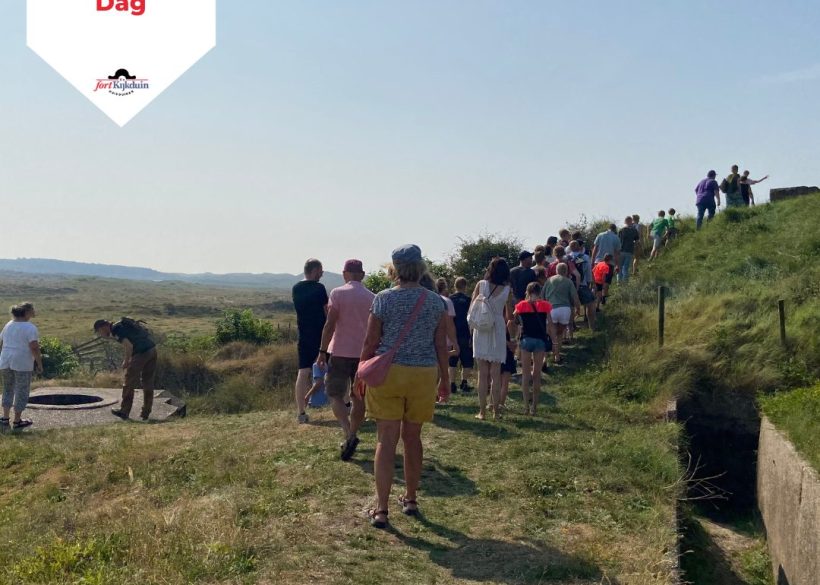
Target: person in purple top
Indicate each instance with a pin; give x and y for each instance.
(707, 197)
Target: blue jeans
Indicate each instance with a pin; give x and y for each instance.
(703, 207)
(626, 266)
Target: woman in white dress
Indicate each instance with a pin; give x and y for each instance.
(490, 345)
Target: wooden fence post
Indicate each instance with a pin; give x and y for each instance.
(661, 313)
(781, 306)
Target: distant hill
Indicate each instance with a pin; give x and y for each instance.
(62, 267)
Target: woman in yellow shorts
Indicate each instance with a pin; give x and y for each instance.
(419, 370)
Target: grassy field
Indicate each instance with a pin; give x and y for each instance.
(68, 306)
(582, 493)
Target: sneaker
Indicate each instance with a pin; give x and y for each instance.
(4, 422)
(465, 387)
(302, 419)
(145, 416)
(453, 388)
(349, 448)
(120, 414)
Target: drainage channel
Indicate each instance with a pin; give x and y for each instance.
(723, 542)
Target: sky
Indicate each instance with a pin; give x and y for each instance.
(344, 129)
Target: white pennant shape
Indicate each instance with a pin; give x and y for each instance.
(121, 54)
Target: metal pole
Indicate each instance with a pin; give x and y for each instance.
(661, 313)
(781, 306)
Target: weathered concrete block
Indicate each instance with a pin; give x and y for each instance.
(788, 494)
(790, 192)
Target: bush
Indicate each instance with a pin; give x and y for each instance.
(473, 256)
(239, 325)
(59, 360)
(183, 343)
(376, 282)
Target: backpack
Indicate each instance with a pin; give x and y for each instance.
(480, 316)
(137, 325)
(724, 186)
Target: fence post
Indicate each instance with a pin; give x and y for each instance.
(781, 306)
(661, 313)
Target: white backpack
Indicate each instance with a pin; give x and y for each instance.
(480, 315)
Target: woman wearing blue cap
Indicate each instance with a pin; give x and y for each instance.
(410, 322)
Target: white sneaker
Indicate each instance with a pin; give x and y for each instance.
(302, 419)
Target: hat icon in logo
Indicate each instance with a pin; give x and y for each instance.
(122, 73)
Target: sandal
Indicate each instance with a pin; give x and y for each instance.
(374, 521)
(21, 424)
(408, 507)
(4, 422)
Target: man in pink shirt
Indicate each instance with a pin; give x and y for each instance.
(341, 347)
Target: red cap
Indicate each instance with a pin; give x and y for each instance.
(353, 266)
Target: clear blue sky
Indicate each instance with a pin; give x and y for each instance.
(342, 129)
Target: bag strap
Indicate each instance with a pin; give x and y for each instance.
(410, 322)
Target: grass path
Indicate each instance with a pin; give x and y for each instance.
(582, 493)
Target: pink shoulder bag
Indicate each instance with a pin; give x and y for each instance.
(373, 371)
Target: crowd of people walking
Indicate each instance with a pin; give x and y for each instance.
(393, 356)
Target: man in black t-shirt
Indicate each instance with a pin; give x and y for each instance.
(521, 276)
(461, 303)
(310, 300)
(140, 362)
(629, 237)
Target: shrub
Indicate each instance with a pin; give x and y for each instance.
(241, 325)
(183, 343)
(472, 256)
(59, 359)
(187, 373)
(376, 282)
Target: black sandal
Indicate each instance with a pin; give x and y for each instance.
(408, 507)
(376, 523)
(4, 422)
(21, 424)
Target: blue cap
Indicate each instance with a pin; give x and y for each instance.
(406, 253)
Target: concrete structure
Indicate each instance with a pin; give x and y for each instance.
(781, 194)
(51, 408)
(788, 494)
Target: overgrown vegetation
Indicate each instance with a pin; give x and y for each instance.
(242, 325)
(798, 413)
(59, 360)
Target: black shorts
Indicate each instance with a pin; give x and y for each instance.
(509, 365)
(609, 276)
(599, 287)
(308, 349)
(585, 295)
(465, 355)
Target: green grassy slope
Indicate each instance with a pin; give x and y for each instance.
(583, 493)
(722, 328)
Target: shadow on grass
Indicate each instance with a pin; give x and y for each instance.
(498, 561)
(437, 479)
(703, 561)
(487, 429)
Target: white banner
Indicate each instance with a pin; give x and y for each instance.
(121, 54)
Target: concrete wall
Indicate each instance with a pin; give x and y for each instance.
(788, 193)
(788, 494)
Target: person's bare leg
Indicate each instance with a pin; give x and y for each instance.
(495, 395)
(453, 374)
(483, 386)
(413, 456)
(357, 412)
(556, 343)
(526, 378)
(505, 387)
(302, 387)
(385, 460)
(590, 311)
(465, 374)
(537, 361)
(342, 415)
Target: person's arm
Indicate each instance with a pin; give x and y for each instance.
(594, 252)
(372, 338)
(313, 389)
(129, 350)
(34, 346)
(475, 291)
(327, 334)
(442, 355)
(753, 182)
(451, 335)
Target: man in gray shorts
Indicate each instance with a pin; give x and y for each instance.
(342, 339)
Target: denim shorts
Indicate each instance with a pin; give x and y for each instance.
(533, 344)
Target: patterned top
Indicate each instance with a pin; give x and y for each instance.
(394, 307)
